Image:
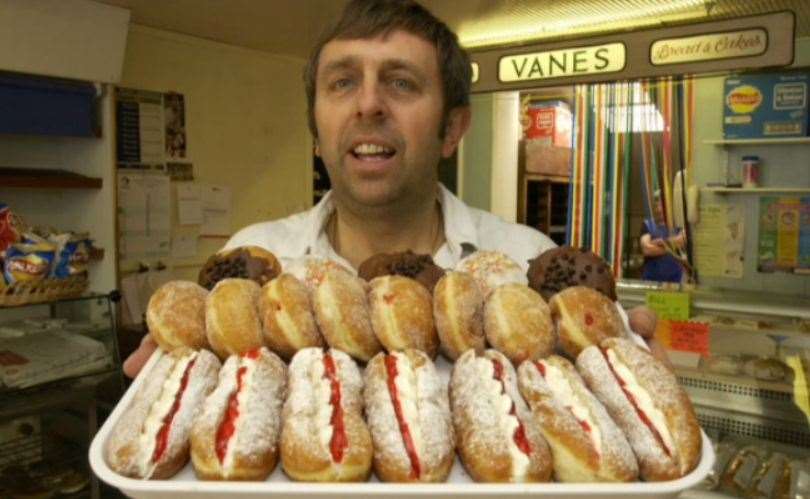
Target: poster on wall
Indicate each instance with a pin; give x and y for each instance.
(139, 127)
(719, 241)
(174, 110)
(784, 234)
(144, 219)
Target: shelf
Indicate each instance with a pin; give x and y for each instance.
(756, 190)
(540, 177)
(114, 296)
(774, 141)
(46, 179)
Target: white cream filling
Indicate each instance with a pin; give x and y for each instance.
(642, 399)
(507, 423)
(564, 394)
(241, 401)
(321, 393)
(154, 420)
(408, 396)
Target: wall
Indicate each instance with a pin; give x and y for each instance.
(488, 163)
(782, 165)
(245, 119)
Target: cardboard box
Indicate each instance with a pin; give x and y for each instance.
(548, 122)
(547, 159)
(765, 105)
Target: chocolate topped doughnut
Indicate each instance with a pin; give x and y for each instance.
(246, 262)
(559, 268)
(418, 267)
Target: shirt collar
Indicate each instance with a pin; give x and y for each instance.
(460, 233)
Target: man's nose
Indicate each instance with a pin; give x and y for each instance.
(371, 101)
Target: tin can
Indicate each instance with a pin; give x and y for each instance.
(750, 171)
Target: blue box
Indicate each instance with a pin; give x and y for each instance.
(765, 105)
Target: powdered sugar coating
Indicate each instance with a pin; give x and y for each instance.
(669, 398)
(310, 270)
(176, 315)
(426, 408)
(258, 424)
(610, 458)
(123, 447)
(492, 269)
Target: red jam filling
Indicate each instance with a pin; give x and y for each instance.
(339, 442)
(228, 425)
(519, 436)
(584, 424)
(388, 298)
(162, 437)
(407, 439)
(641, 414)
(588, 319)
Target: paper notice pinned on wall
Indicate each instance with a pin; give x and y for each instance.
(216, 205)
(689, 337)
(672, 305)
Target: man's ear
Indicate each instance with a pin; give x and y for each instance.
(458, 121)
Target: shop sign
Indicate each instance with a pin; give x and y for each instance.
(608, 58)
(728, 45)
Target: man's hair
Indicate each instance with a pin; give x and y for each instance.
(363, 19)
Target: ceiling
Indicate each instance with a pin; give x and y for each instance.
(290, 27)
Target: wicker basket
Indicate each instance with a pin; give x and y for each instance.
(27, 293)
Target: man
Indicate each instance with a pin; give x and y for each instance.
(388, 96)
(661, 249)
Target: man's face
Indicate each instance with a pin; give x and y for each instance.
(378, 109)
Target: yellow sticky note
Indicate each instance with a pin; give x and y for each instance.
(801, 396)
(673, 305)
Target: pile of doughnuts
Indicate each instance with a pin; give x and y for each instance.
(516, 409)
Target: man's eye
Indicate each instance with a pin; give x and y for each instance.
(341, 84)
(402, 84)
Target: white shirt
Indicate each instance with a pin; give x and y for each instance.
(466, 230)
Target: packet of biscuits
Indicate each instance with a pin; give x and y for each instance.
(9, 233)
(27, 262)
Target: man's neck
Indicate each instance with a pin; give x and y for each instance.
(358, 236)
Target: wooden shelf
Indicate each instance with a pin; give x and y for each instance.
(773, 141)
(46, 179)
(540, 177)
(756, 190)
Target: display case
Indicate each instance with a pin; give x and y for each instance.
(749, 389)
(59, 375)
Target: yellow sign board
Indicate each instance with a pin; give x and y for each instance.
(576, 61)
(672, 305)
(744, 43)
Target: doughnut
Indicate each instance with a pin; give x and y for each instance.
(402, 314)
(311, 270)
(324, 437)
(494, 440)
(175, 315)
(583, 317)
(236, 435)
(586, 444)
(644, 398)
(151, 440)
(342, 313)
(492, 269)
(409, 417)
(287, 317)
(458, 311)
(232, 317)
(247, 262)
(564, 266)
(407, 263)
(517, 323)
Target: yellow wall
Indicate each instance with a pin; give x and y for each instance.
(245, 120)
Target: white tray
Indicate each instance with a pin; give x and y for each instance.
(459, 484)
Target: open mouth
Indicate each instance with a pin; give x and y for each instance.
(372, 152)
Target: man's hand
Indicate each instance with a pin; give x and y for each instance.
(643, 322)
(135, 362)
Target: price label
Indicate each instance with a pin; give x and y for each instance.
(689, 337)
(673, 305)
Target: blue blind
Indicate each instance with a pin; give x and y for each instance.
(35, 105)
